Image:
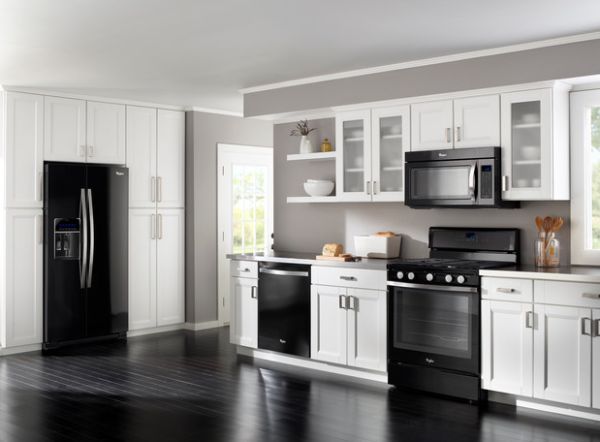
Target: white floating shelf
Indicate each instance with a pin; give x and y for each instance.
(314, 156)
(527, 126)
(312, 199)
(527, 162)
(392, 137)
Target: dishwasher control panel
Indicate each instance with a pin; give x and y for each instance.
(66, 238)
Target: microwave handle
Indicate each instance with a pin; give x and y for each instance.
(472, 181)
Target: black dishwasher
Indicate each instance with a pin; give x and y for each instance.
(284, 308)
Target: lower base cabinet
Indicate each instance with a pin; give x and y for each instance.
(349, 327)
(244, 323)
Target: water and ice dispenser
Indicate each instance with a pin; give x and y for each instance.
(66, 238)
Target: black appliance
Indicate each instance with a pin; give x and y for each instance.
(434, 310)
(85, 253)
(469, 177)
(284, 308)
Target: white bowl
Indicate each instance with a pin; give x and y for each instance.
(530, 152)
(319, 188)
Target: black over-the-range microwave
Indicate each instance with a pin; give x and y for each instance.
(470, 177)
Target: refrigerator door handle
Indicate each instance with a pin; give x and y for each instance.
(84, 243)
(92, 239)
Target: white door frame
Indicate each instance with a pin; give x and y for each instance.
(228, 154)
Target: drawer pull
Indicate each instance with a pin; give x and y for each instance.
(505, 290)
(529, 320)
(348, 278)
(253, 292)
(591, 295)
(246, 270)
(595, 328)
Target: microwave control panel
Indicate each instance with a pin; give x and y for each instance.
(486, 182)
(66, 238)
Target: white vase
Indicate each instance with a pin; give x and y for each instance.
(305, 145)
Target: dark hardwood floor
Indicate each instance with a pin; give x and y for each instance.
(186, 386)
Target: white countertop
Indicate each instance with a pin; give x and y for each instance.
(565, 273)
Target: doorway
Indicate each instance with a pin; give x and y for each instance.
(245, 209)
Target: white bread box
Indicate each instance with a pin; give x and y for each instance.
(373, 246)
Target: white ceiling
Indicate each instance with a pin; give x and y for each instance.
(201, 52)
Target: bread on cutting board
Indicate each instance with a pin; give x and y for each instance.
(332, 249)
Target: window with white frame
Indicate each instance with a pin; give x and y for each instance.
(585, 177)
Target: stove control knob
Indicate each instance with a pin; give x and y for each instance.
(400, 275)
(429, 277)
(460, 279)
(411, 275)
(448, 278)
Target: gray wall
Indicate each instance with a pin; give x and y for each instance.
(564, 61)
(203, 132)
(306, 227)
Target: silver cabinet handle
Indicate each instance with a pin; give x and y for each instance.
(375, 188)
(83, 245)
(505, 290)
(160, 227)
(367, 185)
(342, 302)
(153, 189)
(82, 150)
(153, 226)
(591, 295)
(584, 328)
(505, 183)
(40, 186)
(284, 272)
(246, 270)
(353, 302)
(595, 328)
(92, 239)
(472, 182)
(457, 133)
(448, 135)
(254, 292)
(159, 189)
(90, 151)
(348, 278)
(529, 320)
(39, 219)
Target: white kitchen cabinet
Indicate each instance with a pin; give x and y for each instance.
(353, 163)
(562, 354)
(535, 144)
(507, 347)
(141, 156)
(477, 121)
(390, 141)
(596, 359)
(170, 263)
(367, 329)
(23, 285)
(244, 324)
(23, 151)
(64, 129)
(171, 159)
(142, 269)
(329, 324)
(105, 133)
(431, 125)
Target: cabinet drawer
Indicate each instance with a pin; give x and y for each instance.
(244, 269)
(576, 294)
(506, 289)
(353, 278)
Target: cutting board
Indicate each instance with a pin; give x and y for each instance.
(335, 258)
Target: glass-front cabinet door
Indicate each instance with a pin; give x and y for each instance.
(527, 145)
(353, 165)
(391, 135)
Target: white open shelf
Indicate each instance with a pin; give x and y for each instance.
(312, 156)
(312, 199)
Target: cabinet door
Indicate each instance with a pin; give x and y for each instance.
(390, 133)
(171, 159)
(105, 133)
(141, 156)
(64, 129)
(367, 329)
(596, 359)
(142, 269)
(353, 163)
(562, 354)
(527, 144)
(24, 149)
(477, 121)
(431, 125)
(244, 320)
(24, 277)
(170, 252)
(328, 324)
(507, 347)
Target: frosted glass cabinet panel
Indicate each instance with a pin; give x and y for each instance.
(353, 167)
(526, 144)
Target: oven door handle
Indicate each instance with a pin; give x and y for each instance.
(472, 181)
(441, 288)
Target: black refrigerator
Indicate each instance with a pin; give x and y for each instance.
(85, 253)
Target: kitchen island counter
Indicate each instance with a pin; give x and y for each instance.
(310, 259)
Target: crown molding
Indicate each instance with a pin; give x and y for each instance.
(426, 62)
(215, 111)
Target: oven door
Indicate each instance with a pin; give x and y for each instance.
(441, 183)
(434, 326)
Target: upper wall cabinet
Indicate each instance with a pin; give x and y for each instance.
(80, 131)
(141, 156)
(171, 159)
(464, 122)
(23, 150)
(535, 144)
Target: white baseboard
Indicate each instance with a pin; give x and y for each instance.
(20, 349)
(559, 410)
(151, 331)
(312, 364)
(196, 326)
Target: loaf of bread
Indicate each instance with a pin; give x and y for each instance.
(385, 234)
(333, 249)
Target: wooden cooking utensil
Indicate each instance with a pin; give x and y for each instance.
(558, 223)
(548, 221)
(539, 223)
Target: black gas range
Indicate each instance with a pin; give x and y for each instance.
(434, 310)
